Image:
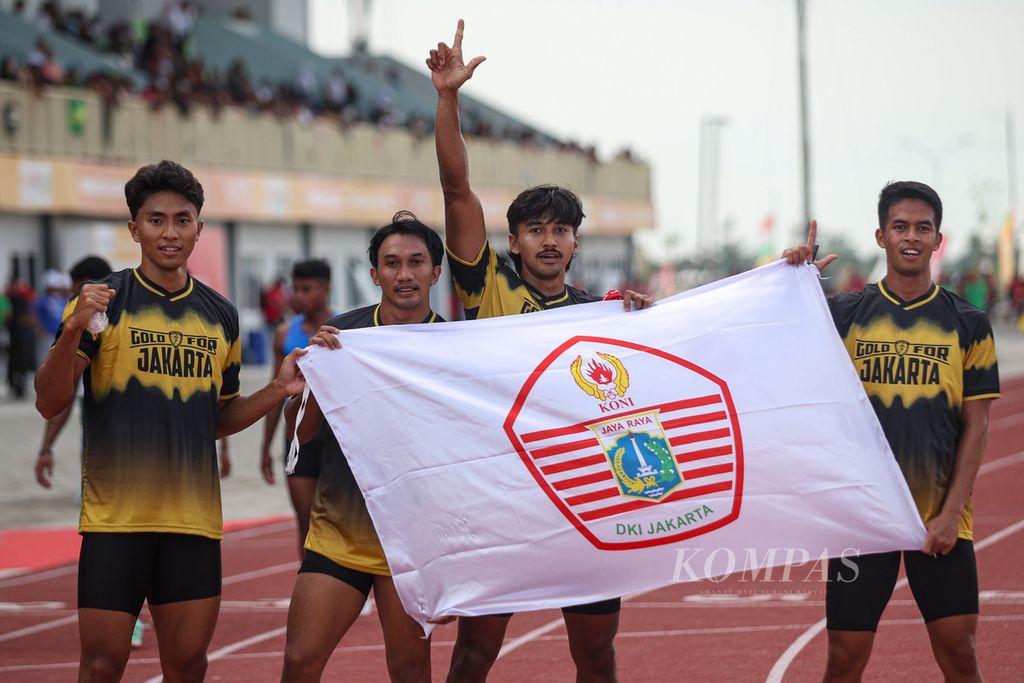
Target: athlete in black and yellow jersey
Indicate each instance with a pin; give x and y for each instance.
(161, 384)
(344, 558)
(928, 364)
(542, 225)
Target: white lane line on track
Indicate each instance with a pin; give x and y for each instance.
(259, 573)
(56, 572)
(999, 464)
(233, 647)
(1007, 421)
(259, 530)
(228, 580)
(39, 576)
(536, 633)
(45, 626)
(379, 647)
(778, 670)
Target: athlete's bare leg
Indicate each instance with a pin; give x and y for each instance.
(848, 654)
(302, 490)
(105, 637)
(183, 633)
(953, 645)
(592, 645)
(321, 612)
(406, 650)
(476, 648)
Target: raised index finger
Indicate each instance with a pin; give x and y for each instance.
(457, 45)
(812, 235)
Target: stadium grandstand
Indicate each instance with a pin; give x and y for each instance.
(301, 154)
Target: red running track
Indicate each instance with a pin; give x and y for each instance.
(733, 630)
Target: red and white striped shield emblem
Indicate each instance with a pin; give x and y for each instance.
(635, 446)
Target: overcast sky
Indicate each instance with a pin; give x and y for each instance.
(899, 89)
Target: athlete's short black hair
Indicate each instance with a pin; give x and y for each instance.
(907, 189)
(314, 269)
(406, 223)
(167, 175)
(547, 203)
(90, 268)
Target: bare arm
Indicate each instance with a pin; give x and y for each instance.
(311, 419)
(58, 376)
(44, 463)
(270, 424)
(326, 336)
(945, 526)
(465, 232)
(242, 411)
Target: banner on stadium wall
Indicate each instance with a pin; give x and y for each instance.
(583, 453)
(91, 189)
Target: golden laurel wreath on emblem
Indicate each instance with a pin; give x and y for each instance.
(637, 485)
(601, 375)
(634, 484)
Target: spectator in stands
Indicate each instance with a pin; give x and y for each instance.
(307, 86)
(49, 16)
(121, 43)
(180, 18)
(43, 65)
(337, 92)
(9, 69)
(239, 88)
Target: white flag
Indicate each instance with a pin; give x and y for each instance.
(583, 453)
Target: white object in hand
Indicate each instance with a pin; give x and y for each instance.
(98, 322)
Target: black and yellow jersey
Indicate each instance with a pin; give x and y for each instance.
(489, 288)
(340, 527)
(919, 361)
(155, 378)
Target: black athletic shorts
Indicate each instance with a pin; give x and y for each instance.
(860, 587)
(316, 563)
(118, 571)
(594, 608)
(309, 454)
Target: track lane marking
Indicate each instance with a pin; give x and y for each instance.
(228, 580)
(38, 628)
(778, 670)
(379, 647)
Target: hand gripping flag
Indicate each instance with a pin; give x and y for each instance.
(583, 453)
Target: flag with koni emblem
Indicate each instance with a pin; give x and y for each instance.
(582, 453)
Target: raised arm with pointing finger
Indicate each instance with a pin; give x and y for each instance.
(464, 216)
(805, 252)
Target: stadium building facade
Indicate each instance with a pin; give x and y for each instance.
(278, 188)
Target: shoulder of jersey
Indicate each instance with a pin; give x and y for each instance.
(961, 305)
(581, 295)
(209, 291)
(355, 316)
(118, 278)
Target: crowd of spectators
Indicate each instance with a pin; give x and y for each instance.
(177, 76)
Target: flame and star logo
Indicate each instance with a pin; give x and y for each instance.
(604, 381)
